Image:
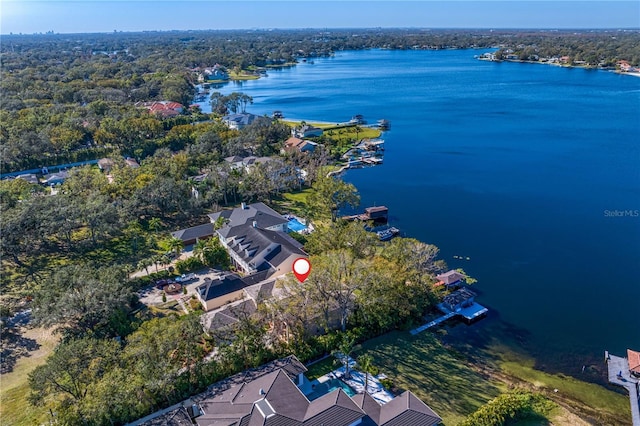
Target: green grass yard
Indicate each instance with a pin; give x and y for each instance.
(292, 202)
(439, 376)
(600, 400)
(454, 386)
(14, 386)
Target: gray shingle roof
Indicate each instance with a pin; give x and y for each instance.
(252, 244)
(264, 215)
(201, 231)
(221, 286)
(268, 396)
(369, 406)
(407, 410)
(242, 119)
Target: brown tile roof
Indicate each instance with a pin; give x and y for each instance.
(450, 277)
(634, 361)
(292, 142)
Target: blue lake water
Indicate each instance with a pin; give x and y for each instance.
(531, 171)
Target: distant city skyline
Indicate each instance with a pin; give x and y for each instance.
(81, 16)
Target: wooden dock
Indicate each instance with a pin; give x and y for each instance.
(434, 323)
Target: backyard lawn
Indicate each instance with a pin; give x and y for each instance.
(14, 386)
(439, 376)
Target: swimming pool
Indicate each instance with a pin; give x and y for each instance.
(295, 225)
(329, 386)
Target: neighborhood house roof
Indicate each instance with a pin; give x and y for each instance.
(226, 284)
(241, 120)
(29, 177)
(263, 247)
(450, 277)
(297, 144)
(634, 361)
(268, 396)
(194, 233)
(265, 216)
(53, 178)
(229, 315)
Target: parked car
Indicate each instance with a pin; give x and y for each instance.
(186, 278)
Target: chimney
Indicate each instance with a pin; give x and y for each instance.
(262, 392)
(243, 206)
(255, 224)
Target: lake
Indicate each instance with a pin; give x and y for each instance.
(531, 171)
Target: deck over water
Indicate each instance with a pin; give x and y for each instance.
(618, 365)
(470, 313)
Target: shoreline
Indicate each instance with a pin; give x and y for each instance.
(584, 67)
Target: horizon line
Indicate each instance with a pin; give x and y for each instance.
(270, 29)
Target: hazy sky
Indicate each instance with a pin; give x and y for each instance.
(29, 16)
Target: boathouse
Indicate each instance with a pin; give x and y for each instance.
(450, 279)
(462, 302)
(377, 214)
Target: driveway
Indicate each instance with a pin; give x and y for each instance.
(153, 296)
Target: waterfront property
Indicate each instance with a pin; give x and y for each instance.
(625, 372)
(300, 145)
(459, 303)
(255, 237)
(306, 131)
(272, 395)
(239, 121)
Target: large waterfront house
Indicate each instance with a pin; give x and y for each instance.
(294, 144)
(275, 394)
(239, 121)
(255, 237)
(214, 73)
(306, 131)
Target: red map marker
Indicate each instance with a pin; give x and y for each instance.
(301, 268)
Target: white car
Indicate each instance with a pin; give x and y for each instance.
(186, 277)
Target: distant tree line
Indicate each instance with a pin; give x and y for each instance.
(71, 97)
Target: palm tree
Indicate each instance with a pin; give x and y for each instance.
(158, 258)
(144, 264)
(175, 245)
(358, 129)
(200, 250)
(345, 347)
(365, 363)
(155, 224)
